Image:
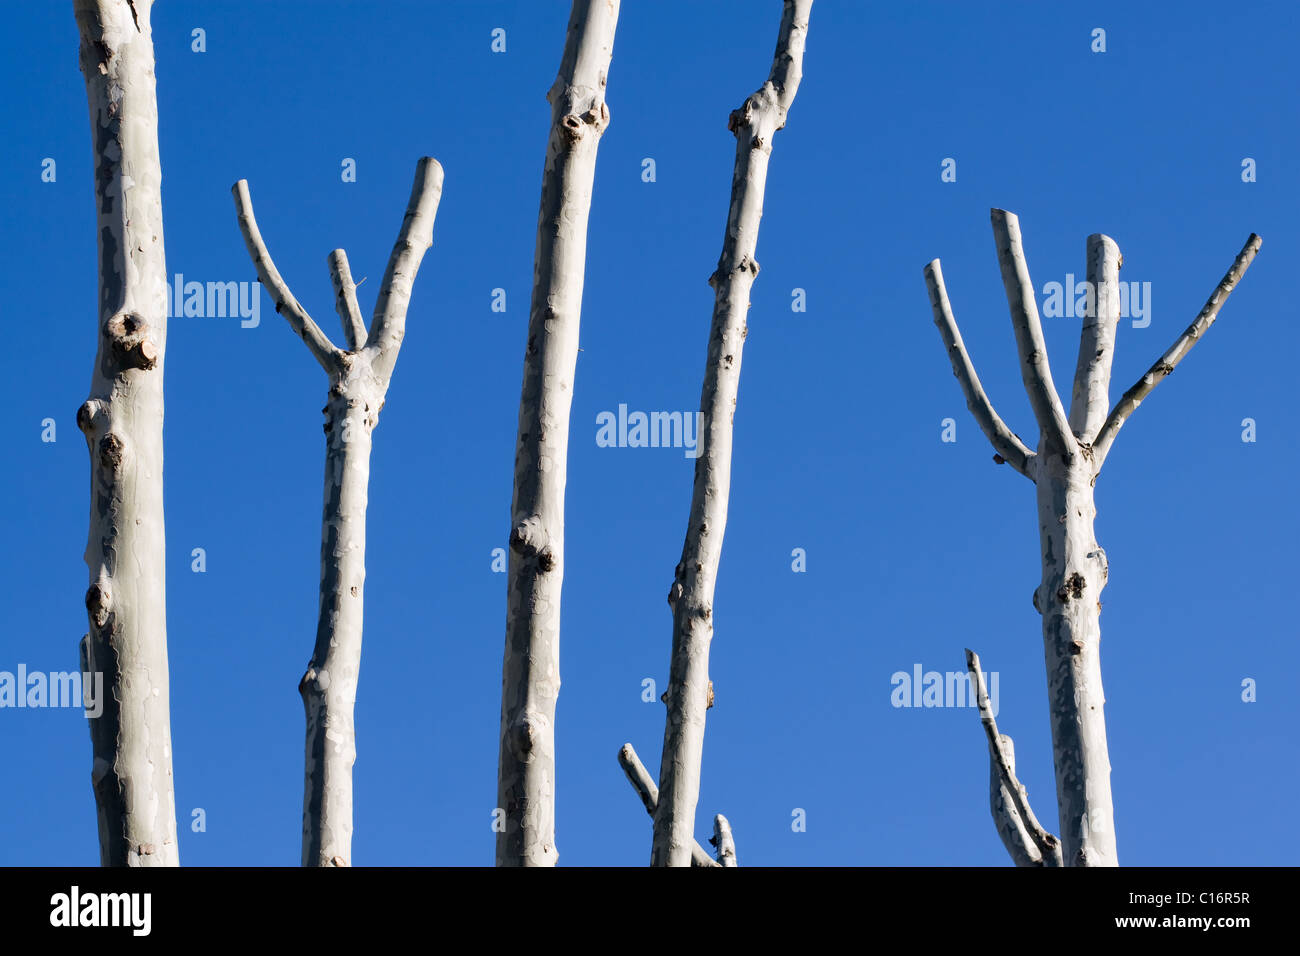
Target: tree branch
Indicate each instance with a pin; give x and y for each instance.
(122, 421)
(724, 841)
(644, 785)
(1131, 399)
(1091, 396)
(1034, 368)
(1009, 448)
(345, 300)
(416, 236)
(695, 578)
(317, 341)
(530, 665)
(1024, 837)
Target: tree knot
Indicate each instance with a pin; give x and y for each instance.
(128, 333)
(111, 451)
(1072, 588)
(523, 735)
(97, 604)
(530, 540)
(89, 415)
(574, 126)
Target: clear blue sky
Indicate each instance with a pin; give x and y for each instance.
(915, 548)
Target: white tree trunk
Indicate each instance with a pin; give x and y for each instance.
(122, 421)
(530, 679)
(1074, 573)
(691, 596)
(1069, 599)
(359, 380)
(1065, 469)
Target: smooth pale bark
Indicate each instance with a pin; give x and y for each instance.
(1069, 599)
(1008, 446)
(1090, 400)
(1028, 843)
(530, 672)
(1035, 371)
(1065, 470)
(644, 785)
(358, 380)
(122, 421)
(691, 595)
(724, 841)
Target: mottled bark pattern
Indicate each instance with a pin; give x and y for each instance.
(122, 421)
(691, 595)
(329, 686)
(530, 672)
(1069, 599)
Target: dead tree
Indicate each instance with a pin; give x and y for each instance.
(122, 421)
(358, 378)
(690, 692)
(1070, 453)
(530, 671)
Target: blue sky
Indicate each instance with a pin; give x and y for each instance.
(916, 548)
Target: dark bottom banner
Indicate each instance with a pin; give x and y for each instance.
(1225, 906)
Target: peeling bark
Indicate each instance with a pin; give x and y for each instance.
(530, 680)
(1074, 567)
(122, 421)
(358, 380)
(691, 595)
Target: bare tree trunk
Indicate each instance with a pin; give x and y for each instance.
(691, 595)
(359, 379)
(122, 421)
(530, 673)
(1065, 469)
